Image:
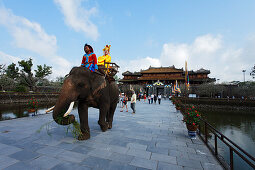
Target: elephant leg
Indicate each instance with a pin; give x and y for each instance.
(83, 114)
(110, 115)
(102, 116)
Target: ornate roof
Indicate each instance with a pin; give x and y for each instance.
(128, 73)
(170, 69)
(200, 71)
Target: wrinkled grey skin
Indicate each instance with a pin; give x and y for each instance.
(83, 86)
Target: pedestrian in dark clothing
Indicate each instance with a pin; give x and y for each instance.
(155, 98)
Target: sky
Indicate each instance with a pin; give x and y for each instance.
(215, 35)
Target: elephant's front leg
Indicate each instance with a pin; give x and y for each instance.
(83, 114)
(102, 116)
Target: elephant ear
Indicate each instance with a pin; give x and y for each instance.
(98, 84)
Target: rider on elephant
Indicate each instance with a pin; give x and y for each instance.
(106, 57)
(89, 59)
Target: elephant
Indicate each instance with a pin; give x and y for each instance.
(90, 89)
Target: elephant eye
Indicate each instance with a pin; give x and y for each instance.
(81, 84)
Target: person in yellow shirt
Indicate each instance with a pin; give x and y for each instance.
(106, 57)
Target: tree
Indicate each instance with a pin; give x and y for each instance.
(252, 73)
(26, 76)
(26, 66)
(2, 69)
(42, 72)
(12, 71)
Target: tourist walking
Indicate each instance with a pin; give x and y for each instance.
(125, 101)
(149, 99)
(133, 101)
(152, 97)
(155, 99)
(159, 98)
(120, 100)
(144, 97)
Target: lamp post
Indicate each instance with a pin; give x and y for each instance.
(244, 75)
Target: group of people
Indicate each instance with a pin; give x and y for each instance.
(124, 100)
(89, 59)
(154, 97)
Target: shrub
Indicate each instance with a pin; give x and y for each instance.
(20, 88)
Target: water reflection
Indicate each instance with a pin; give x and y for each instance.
(12, 111)
(239, 127)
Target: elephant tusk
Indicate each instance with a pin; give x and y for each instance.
(50, 109)
(69, 109)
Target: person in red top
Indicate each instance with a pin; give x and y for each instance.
(89, 59)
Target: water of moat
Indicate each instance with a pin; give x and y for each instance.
(238, 126)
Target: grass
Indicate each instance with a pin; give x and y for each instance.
(74, 128)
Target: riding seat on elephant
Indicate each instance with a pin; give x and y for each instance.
(90, 90)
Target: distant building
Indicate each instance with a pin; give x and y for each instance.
(161, 79)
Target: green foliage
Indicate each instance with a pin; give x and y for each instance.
(25, 77)
(76, 131)
(190, 112)
(2, 69)
(20, 88)
(74, 127)
(42, 72)
(191, 115)
(252, 73)
(12, 71)
(32, 103)
(26, 66)
(46, 126)
(6, 82)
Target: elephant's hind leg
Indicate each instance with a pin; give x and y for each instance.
(102, 116)
(110, 115)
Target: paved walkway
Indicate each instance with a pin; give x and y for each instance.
(153, 138)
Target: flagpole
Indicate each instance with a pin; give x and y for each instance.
(185, 93)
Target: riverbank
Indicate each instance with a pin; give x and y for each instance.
(15, 97)
(226, 105)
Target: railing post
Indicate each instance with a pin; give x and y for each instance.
(199, 129)
(216, 145)
(231, 159)
(205, 132)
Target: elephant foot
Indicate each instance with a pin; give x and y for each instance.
(104, 126)
(109, 125)
(84, 136)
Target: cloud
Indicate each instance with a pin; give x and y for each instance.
(137, 64)
(8, 59)
(32, 37)
(28, 35)
(210, 52)
(78, 18)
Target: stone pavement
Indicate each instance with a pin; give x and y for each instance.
(153, 138)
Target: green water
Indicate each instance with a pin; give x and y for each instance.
(239, 127)
(13, 111)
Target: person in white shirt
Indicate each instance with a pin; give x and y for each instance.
(159, 98)
(152, 98)
(133, 101)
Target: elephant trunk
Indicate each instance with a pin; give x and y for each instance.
(58, 115)
(66, 97)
